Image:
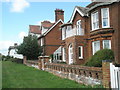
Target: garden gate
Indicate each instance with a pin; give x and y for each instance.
(115, 76)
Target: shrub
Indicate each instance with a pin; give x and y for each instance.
(96, 59)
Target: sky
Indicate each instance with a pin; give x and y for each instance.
(17, 15)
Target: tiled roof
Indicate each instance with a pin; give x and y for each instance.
(83, 9)
(46, 24)
(34, 29)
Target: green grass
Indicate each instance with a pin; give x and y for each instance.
(21, 76)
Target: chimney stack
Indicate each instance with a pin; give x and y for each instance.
(59, 14)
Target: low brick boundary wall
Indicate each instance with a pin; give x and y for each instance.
(80, 74)
(32, 63)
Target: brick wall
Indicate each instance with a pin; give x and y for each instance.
(114, 25)
(80, 74)
(112, 33)
(52, 40)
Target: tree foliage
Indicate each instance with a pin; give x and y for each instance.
(29, 47)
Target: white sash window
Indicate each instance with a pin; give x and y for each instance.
(80, 48)
(95, 21)
(79, 29)
(95, 46)
(107, 44)
(105, 17)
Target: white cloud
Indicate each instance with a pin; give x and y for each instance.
(4, 45)
(19, 5)
(39, 23)
(22, 34)
(5, 0)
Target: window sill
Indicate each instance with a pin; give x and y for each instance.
(95, 29)
(105, 27)
(101, 29)
(80, 57)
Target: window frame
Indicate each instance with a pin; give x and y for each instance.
(109, 44)
(93, 13)
(78, 27)
(80, 57)
(93, 47)
(107, 18)
(63, 32)
(41, 42)
(64, 54)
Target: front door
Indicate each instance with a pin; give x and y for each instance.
(70, 54)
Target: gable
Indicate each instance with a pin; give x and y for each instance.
(53, 27)
(78, 10)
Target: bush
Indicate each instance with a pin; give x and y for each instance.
(96, 59)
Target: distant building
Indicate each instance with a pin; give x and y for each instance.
(34, 30)
(45, 25)
(50, 39)
(12, 52)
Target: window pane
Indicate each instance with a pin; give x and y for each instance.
(79, 51)
(79, 31)
(105, 13)
(95, 20)
(105, 22)
(106, 44)
(96, 46)
(105, 17)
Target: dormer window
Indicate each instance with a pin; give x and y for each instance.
(105, 17)
(95, 20)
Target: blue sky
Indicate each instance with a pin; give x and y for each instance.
(17, 18)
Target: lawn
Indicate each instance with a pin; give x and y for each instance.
(21, 76)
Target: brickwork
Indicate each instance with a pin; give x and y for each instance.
(111, 33)
(81, 74)
(106, 73)
(59, 14)
(52, 40)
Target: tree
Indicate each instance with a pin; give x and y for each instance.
(30, 47)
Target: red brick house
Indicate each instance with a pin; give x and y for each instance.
(51, 34)
(91, 28)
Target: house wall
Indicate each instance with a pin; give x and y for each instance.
(52, 40)
(115, 18)
(119, 33)
(114, 36)
(112, 33)
(76, 41)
